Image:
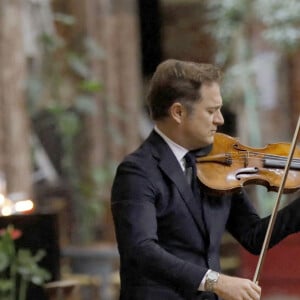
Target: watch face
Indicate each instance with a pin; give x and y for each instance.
(211, 280)
(213, 275)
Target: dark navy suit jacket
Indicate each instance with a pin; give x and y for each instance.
(167, 239)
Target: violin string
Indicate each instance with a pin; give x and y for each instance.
(259, 156)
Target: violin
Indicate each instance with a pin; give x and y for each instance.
(231, 165)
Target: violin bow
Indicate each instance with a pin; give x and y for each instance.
(276, 206)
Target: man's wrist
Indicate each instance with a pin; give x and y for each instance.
(202, 283)
(211, 280)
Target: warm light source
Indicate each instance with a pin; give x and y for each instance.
(6, 210)
(23, 206)
(2, 199)
(15, 204)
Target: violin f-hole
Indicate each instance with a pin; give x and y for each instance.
(246, 171)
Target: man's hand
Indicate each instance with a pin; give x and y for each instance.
(234, 288)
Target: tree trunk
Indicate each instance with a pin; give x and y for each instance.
(295, 88)
(14, 127)
(119, 71)
(112, 130)
(113, 26)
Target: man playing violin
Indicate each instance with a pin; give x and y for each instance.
(168, 229)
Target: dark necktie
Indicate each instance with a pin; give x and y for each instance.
(191, 169)
(191, 172)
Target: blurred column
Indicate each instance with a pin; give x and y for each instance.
(14, 127)
(295, 87)
(113, 25)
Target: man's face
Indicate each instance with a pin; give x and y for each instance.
(200, 126)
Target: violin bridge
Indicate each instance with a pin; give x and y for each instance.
(246, 160)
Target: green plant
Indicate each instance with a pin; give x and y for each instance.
(61, 95)
(18, 267)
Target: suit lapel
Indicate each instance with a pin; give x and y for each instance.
(170, 166)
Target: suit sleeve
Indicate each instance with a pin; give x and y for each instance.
(134, 213)
(249, 229)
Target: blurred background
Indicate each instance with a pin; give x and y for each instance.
(73, 79)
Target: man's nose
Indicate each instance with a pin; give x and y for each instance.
(219, 119)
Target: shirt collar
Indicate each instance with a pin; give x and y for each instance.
(178, 150)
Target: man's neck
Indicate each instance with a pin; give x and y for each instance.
(170, 131)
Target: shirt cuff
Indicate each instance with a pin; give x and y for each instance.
(202, 284)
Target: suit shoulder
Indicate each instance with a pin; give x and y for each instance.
(142, 157)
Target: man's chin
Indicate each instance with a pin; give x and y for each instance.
(210, 139)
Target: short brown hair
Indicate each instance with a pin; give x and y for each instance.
(176, 80)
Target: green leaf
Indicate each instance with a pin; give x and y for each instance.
(4, 260)
(91, 86)
(6, 285)
(28, 267)
(51, 42)
(69, 124)
(78, 65)
(40, 276)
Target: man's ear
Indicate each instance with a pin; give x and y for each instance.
(177, 111)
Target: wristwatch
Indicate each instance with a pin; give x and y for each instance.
(210, 280)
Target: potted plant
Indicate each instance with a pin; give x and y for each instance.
(18, 267)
